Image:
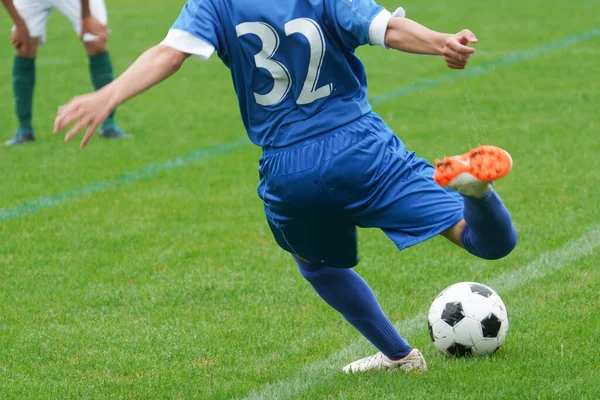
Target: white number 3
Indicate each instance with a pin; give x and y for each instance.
(281, 76)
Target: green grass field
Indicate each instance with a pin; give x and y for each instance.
(144, 268)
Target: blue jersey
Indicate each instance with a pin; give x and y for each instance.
(292, 61)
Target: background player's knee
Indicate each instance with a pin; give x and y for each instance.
(96, 47)
(29, 51)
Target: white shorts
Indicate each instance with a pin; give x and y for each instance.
(36, 13)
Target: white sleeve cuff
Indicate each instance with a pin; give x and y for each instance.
(378, 28)
(379, 25)
(188, 43)
(399, 13)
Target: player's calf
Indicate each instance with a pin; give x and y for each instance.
(346, 292)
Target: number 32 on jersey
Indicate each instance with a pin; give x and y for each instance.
(281, 76)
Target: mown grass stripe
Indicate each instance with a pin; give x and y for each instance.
(317, 373)
(30, 207)
(33, 206)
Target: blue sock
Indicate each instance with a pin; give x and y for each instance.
(349, 294)
(490, 233)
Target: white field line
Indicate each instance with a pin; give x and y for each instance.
(326, 369)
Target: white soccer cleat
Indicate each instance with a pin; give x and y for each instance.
(414, 361)
(472, 173)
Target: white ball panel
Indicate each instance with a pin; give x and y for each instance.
(462, 288)
(443, 335)
(476, 307)
(485, 346)
(455, 292)
(435, 311)
(468, 332)
(494, 298)
(499, 310)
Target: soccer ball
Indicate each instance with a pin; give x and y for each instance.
(468, 318)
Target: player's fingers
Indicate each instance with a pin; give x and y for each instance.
(466, 36)
(461, 60)
(75, 130)
(460, 48)
(104, 32)
(58, 124)
(453, 55)
(450, 62)
(455, 65)
(88, 135)
(66, 115)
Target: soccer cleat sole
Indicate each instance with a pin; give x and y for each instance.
(484, 163)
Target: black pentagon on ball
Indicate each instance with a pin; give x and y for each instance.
(453, 313)
(480, 290)
(491, 326)
(459, 350)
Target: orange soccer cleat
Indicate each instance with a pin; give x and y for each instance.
(472, 173)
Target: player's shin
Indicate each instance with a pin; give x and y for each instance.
(101, 72)
(23, 84)
(490, 232)
(349, 294)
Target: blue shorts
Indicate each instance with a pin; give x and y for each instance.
(318, 191)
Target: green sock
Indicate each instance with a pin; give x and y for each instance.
(23, 83)
(101, 71)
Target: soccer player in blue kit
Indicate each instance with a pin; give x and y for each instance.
(329, 163)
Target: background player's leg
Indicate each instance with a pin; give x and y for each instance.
(101, 67)
(100, 64)
(23, 84)
(349, 294)
(35, 14)
(101, 72)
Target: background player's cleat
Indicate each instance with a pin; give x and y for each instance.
(113, 132)
(21, 136)
(414, 361)
(472, 173)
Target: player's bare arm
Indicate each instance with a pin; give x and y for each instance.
(90, 24)
(409, 36)
(88, 111)
(20, 36)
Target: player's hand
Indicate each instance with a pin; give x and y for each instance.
(87, 112)
(20, 38)
(93, 26)
(456, 52)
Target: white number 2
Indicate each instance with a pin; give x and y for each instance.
(281, 76)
